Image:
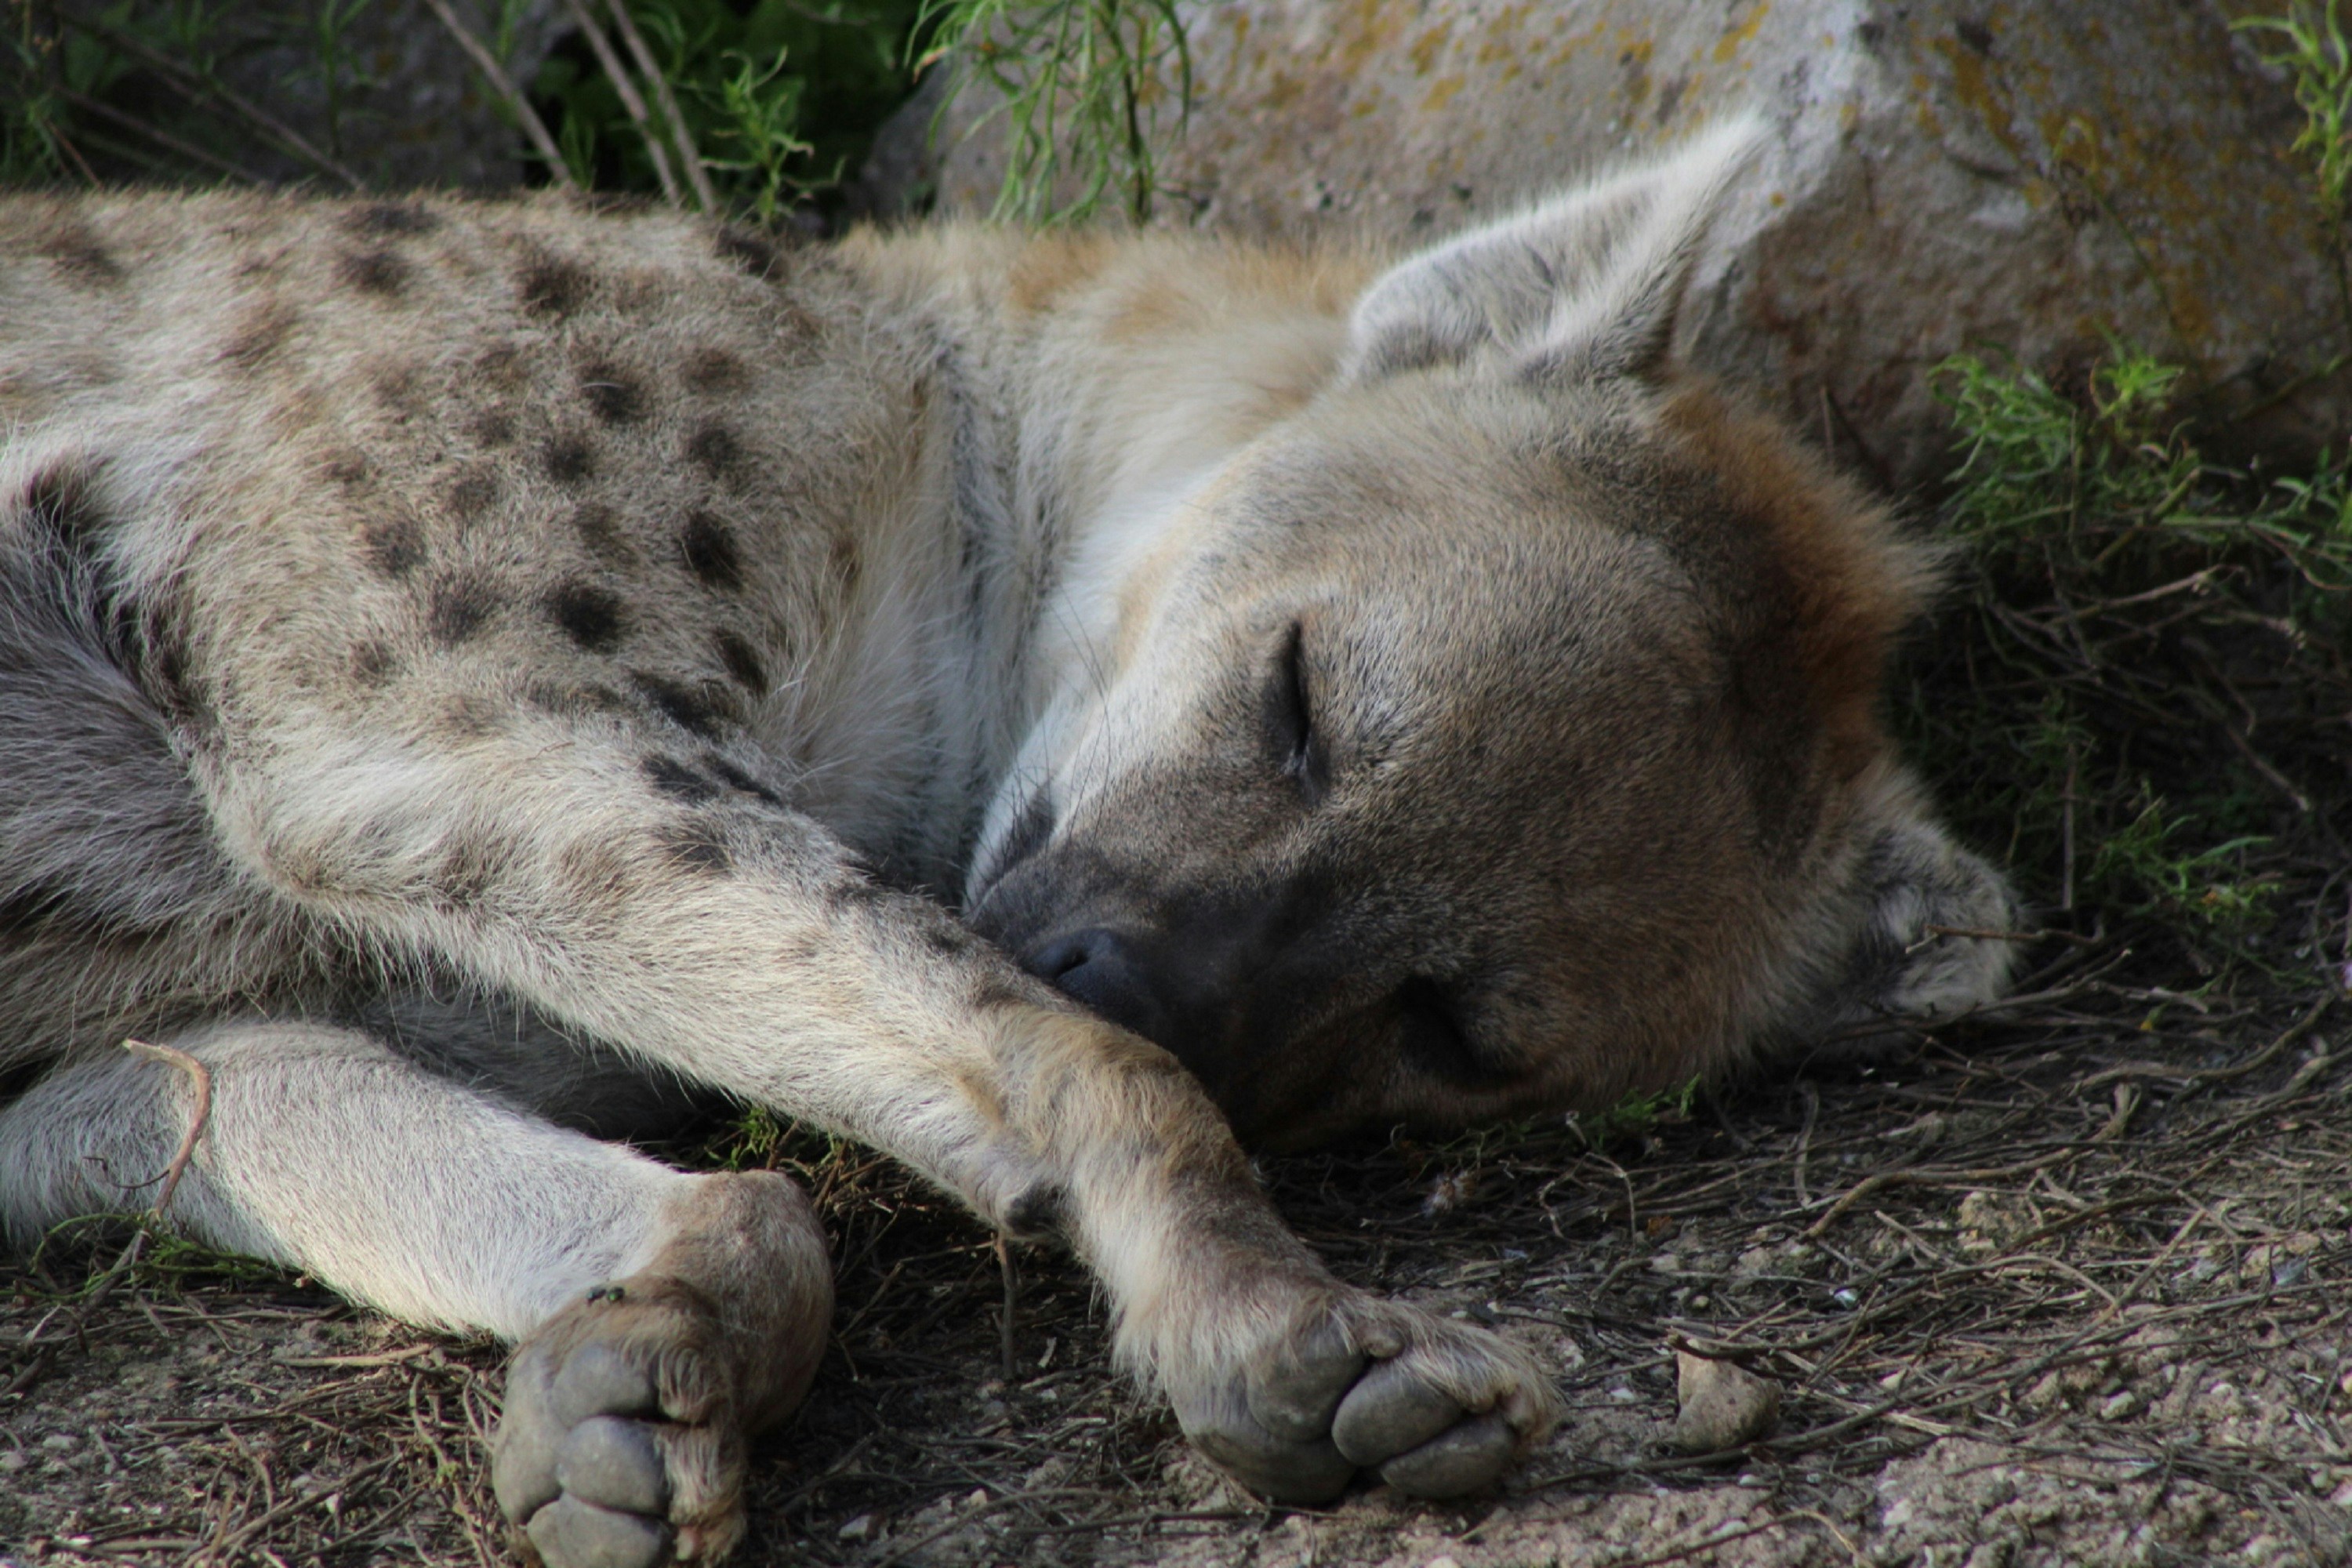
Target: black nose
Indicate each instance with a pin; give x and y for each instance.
(1100, 969)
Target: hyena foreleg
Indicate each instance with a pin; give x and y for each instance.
(663, 1316)
(671, 904)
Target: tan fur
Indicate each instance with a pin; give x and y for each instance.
(470, 669)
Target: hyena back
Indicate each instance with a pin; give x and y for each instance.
(461, 664)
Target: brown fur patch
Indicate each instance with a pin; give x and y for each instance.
(493, 428)
(697, 846)
(372, 664)
(714, 448)
(611, 392)
(742, 660)
(459, 606)
(756, 254)
(472, 492)
(706, 545)
(261, 331)
(1851, 594)
(547, 285)
(594, 619)
(380, 272)
(75, 251)
(680, 781)
(691, 709)
(391, 219)
(478, 864)
(569, 459)
(714, 370)
(600, 530)
(394, 546)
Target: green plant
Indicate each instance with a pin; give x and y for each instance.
(779, 99)
(1087, 89)
(2318, 57)
(2140, 697)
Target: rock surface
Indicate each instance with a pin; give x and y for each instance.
(1942, 175)
(1720, 1405)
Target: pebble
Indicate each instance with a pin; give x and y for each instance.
(1723, 1406)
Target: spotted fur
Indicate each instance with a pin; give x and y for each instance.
(1337, 691)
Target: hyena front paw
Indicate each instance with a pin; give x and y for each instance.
(1436, 1408)
(622, 1445)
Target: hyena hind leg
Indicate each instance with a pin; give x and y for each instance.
(663, 1317)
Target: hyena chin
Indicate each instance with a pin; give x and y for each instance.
(467, 666)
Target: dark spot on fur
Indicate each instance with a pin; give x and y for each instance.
(347, 469)
(460, 608)
(707, 548)
(1035, 1213)
(373, 663)
(742, 661)
(394, 545)
(471, 869)
(697, 846)
(60, 501)
(501, 366)
(714, 449)
(592, 617)
(396, 387)
(599, 528)
(612, 395)
(569, 459)
(471, 494)
(378, 272)
(392, 218)
(467, 718)
(494, 428)
(947, 938)
(260, 331)
(715, 370)
(689, 709)
(80, 259)
(736, 778)
(675, 780)
(550, 286)
(754, 253)
(846, 560)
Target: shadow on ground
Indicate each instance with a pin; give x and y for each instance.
(2067, 1284)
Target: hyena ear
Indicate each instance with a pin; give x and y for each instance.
(1922, 949)
(1584, 285)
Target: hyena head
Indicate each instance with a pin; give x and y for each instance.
(1502, 731)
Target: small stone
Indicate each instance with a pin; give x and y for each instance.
(12, 1461)
(1723, 1406)
(858, 1529)
(60, 1442)
(1441, 1563)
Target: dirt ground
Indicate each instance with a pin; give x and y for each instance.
(2065, 1284)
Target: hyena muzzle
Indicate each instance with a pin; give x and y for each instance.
(464, 667)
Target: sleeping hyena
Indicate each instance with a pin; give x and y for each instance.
(464, 666)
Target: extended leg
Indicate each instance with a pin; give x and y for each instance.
(663, 900)
(663, 1317)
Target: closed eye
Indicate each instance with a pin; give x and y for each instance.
(1290, 720)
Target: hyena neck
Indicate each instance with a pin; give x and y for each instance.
(1082, 389)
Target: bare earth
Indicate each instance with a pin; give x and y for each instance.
(2068, 1286)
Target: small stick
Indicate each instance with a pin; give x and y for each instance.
(631, 100)
(488, 63)
(697, 176)
(1012, 1291)
(203, 1078)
